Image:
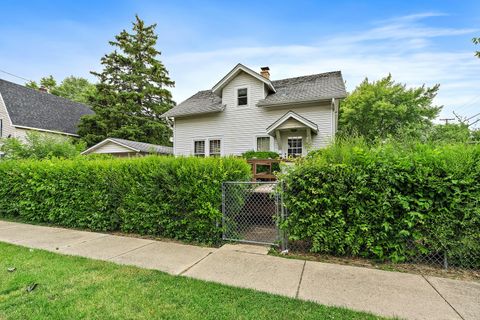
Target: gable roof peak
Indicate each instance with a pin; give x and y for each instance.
(217, 89)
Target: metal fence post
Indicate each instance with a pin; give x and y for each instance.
(223, 210)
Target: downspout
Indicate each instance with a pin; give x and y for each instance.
(332, 116)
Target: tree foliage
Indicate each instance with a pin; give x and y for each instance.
(41, 146)
(449, 133)
(476, 41)
(384, 108)
(390, 201)
(73, 88)
(162, 196)
(132, 92)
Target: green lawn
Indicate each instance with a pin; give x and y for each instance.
(75, 288)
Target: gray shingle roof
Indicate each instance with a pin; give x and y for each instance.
(201, 102)
(315, 87)
(144, 147)
(32, 108)
(308, 88)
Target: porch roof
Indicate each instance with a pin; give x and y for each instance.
(292, 115)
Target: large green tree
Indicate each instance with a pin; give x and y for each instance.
(384, 108)
(132, 92)
(74, 88)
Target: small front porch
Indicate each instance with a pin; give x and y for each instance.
(293, 134)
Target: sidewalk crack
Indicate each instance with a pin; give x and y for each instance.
(301, 278)
(193, 265)
(438, 292)
(126, 252)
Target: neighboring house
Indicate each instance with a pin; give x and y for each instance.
(127, 148)
(248, 111)
(24, 109)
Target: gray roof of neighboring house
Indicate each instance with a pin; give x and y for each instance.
(144, 147)
(201, 102)
(315, 87)
(35, 109)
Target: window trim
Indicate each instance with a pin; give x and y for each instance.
(207, 140)
(294, 137)
(248, 96)
(219, 154)
(195, 154)
(255, 141)
(1, 128)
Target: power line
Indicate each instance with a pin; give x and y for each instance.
(14, 75)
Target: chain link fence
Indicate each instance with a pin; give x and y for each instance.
(251, 212)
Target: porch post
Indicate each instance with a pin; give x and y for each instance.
(309, 136)
(279, 139)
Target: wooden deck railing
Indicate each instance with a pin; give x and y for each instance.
(267, 172)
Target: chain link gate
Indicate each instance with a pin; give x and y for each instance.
(252, 212)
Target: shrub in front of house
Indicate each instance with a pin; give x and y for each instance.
(170, 197)
(389, 201)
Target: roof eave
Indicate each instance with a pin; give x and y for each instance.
(98, 145)
(293, 103)
(240, 67)
(193, 114)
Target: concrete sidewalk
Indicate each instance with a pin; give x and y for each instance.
(384, 293)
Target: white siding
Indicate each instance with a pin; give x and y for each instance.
(111, 147)
(238, 126)
(7, 129)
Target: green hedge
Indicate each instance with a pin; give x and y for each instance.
(390, 202)
(164, 196)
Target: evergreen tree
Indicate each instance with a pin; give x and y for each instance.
(132, 91)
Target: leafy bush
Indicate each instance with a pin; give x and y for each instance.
(388, 201)
(260, 155)
(41, 146)
(170, 197)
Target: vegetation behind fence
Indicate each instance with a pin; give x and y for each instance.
(170, 197)
(390, 202)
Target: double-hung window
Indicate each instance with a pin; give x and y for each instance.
(214, 148)
(263, 143)
(242, 97)
(199, 148)
(294, 147)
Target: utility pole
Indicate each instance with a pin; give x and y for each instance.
(447, 120)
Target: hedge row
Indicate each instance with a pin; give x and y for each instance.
(389, 202)
(169, 197)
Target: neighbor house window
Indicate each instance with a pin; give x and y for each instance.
(199, 148)
(242, 97)
(215, 148)
(295, 146)
(263, 143)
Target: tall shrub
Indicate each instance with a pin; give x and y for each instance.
(388, 201)
(169, 197)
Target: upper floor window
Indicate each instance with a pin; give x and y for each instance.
(242, 97)
(199, 148)
(263, 143)
(215, 148)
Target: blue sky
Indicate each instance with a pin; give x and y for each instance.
(417, 41)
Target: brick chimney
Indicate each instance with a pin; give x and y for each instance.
(265, 72)
(43, 89)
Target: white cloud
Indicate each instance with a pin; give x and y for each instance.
(403, 46)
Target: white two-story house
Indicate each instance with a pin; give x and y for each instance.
(246, 111)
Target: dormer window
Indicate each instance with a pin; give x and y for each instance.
(242, 97)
